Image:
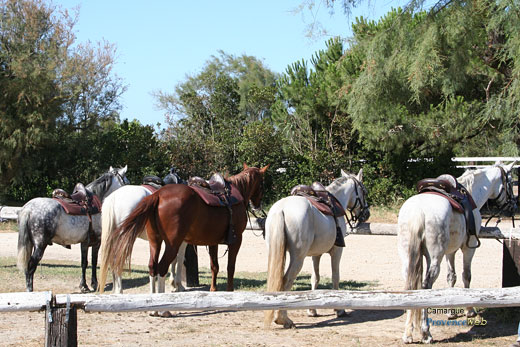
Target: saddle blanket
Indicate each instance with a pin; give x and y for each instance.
(75, 209)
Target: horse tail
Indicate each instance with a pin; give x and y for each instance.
(25, 245)
(415, 228)
(275, 226)
(123, 239)
(108, 226)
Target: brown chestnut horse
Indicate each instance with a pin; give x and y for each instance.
(176, 213)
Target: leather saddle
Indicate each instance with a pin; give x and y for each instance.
(325, 202)
(460, 199)
(216, 191)
(152, 183)
(80, 203)
(320, 198)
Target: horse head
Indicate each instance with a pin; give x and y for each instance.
(256, 184)
(503, 194)
(357, 204)
(109, 182)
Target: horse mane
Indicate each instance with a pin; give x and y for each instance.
(242, 180)
(468, 178)
(101, 185)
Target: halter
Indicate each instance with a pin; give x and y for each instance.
(361, 202)
(509, 201)
(122, 179)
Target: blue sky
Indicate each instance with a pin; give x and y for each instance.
(160, 42)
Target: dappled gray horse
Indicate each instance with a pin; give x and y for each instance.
(43, 221)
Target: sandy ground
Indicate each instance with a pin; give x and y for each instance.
(371, 259)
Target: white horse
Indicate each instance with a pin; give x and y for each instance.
(430, 227)
(43, 221)
(115, 209)
(294, 225)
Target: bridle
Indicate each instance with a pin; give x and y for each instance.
(122, 179)
(505, 200)
(361, 202)
(250, 208)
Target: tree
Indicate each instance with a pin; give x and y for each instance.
(54, 96)
(209, 112)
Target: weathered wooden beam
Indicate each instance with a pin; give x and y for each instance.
(9, 213)
(24, 301)
(318, 299)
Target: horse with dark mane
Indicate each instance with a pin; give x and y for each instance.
(177, 213)
(44, 221)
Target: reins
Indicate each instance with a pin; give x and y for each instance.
(509, 201)
(363, 204)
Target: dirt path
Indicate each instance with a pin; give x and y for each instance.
(371, 259)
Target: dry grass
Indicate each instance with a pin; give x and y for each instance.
(8, 227)
(384, 214)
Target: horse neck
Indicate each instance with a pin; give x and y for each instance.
(480, 184)
(242, 182)
(343, 192)
(101, 193)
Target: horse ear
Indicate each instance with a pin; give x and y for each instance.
(510, 166)
(245, 166)
(123, 171)
(498, 162)
(360, 175)
(111, 169)
(343, 173)
(264, 169)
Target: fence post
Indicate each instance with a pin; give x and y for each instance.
(192, 266)
(511, 263)
(61, 325)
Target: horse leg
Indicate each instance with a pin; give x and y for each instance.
(432, 272)
(118, 283)
(176, 269)
(34, 260)
(213, 256)
(232, 259)
(84, 264)
(95, 252)
(467, 256)
(452, 276)
(170, 252)
(295, 266)
(315, 280)
(335, 257)
(155, 251)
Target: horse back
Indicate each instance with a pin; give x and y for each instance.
(183, 212)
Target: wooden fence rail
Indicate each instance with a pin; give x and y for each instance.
(299, 300)
(61, 309)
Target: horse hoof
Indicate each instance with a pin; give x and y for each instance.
(341, 313)
(84, 289)
(407, 340)
(471, 313)
(289, 325)
(452, 316)
(427, 339)
(312, 313)
(165, 314)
